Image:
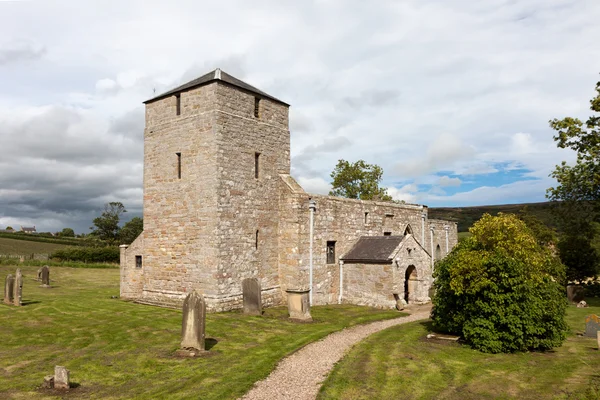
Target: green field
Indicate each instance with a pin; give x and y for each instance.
(465, 217)
(401, 362)
(15, 246)
(116, 349)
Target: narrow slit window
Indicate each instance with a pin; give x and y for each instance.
(178, 104)
(256, 165)
(178, 165)
(330, 252)
(366, 218)
(138, 261)
(257, 107)
(387, 233)
(256, 240)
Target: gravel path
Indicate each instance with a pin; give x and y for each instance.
(299, 376)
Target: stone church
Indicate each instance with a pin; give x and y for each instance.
(220, 206)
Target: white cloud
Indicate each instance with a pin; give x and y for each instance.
(445, 181)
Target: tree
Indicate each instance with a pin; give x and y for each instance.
(107, 225)
(131, 230)
(358, 180)
(67, 232)
(501, 290)
(582, 180)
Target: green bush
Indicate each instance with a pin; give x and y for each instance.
(500, 290)
(592, 289)
(87, 254)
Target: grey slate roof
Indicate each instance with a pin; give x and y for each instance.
(216, 75)
(373, 249)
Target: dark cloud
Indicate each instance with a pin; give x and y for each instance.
(20, 51)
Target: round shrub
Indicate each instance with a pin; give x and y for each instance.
(500, 290)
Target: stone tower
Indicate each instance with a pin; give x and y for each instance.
(213, 152)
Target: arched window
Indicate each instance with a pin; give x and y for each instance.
(408, 230)
(438, 253)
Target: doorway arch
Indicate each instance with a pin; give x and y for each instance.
(410, 283)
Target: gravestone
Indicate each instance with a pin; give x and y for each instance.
(194, 321)
(18, 289)
(252, 296)
(61, 377)
(39, 276)
(45, 276)
(592, 326)
(9, 287)
(299, 305)
(575, 293)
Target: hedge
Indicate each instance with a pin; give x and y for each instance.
(88, 254)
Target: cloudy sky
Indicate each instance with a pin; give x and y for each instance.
(451, 98)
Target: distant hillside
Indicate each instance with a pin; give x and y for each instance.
(22, 247)
(466, 216)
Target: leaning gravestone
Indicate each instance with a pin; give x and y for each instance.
(194, 321)
(18, 289)
(252, 296)
(592, 326)
(9, 287)
(45, 276)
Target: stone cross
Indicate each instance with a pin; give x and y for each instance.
(18, 289)
(9, 287)
(592, 326)
(252, 296)
(61, 377)
(45, 275)
(194, 321)
(299, 305)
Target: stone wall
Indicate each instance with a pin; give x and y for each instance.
(442, 229)
(336, 219)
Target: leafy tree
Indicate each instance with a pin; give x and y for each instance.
(544, 235)
(358, 180)
(9, 228)
(67, 232)
(500, 290)
(131, 230)
(582, 180)
(107, 225)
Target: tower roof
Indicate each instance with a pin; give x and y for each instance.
(216, 75)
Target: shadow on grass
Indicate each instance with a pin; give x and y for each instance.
(209, 343)
(29, 302)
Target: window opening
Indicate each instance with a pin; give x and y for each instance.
(256, 240)
(178, 165)
(138, 261)
(330, 252)
(256, 165)
(178, 104)
(256, 107)
(387, 233)
(366, 218)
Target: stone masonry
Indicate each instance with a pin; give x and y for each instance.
(220, 206)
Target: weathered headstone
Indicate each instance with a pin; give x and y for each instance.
(194, 321)
(39, 275)
(18, 288)
(582, 304)
(9, 287)
(252, 296)
(45, 276)
(592, 326)
(299, 305)
(48, 382)
(575, 293)
(61, 377)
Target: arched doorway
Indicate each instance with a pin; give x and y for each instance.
(410, 283)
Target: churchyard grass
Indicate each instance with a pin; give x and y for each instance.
(116, 349)
(400, 362)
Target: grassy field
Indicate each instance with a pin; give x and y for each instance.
(115, 349)
(14, 246)
(401, 363)
(466, 216)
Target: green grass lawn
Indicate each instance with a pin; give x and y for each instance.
(15, 246)
(116, 349)
(400, 362)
